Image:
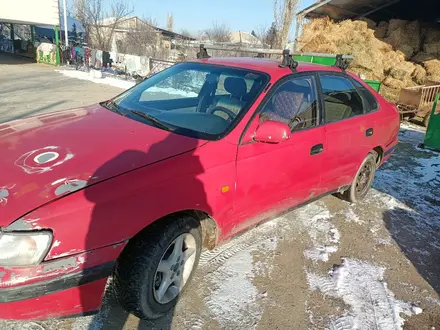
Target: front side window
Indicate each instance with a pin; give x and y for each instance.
(193, 99)
(293, 103)
(341, 99)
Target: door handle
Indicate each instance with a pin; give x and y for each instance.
(369, 132)
(317, 149)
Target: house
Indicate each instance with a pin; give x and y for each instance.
(133, 35)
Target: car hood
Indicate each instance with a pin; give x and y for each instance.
(46, 157)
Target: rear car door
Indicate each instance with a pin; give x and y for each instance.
(349, 129)
(274, 177)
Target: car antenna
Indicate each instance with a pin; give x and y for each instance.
(341, 63)
(288, 61)
(203, 53)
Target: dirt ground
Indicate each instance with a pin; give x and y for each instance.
(328, 265)
(28, 88)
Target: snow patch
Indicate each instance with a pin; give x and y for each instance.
(324, 235)
(320, 253)
(351, 216)
(115, 82)
(361, 286)
(233, 300)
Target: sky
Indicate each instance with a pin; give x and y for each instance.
(195, 15)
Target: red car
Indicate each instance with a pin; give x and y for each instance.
(134, 187)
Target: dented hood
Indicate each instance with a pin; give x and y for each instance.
(45, 157)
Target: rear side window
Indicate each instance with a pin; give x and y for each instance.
(341, 99)
(370, 102)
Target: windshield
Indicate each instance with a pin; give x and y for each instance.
(193, 99)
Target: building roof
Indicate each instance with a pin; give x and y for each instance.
(378, 10)
(166, 33)
(245, 38)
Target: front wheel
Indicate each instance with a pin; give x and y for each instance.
(362, 181)
(157, 266)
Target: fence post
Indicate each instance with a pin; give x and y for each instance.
(57, 44)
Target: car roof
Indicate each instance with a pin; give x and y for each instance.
(270, 66)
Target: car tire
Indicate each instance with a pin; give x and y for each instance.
(151, 262)
(362, 181)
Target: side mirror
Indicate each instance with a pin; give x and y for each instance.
(271, 131)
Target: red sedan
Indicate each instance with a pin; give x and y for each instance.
(134, 187)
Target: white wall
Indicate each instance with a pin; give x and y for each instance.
(38, 12)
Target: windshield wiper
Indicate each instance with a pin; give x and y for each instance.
(156, 122)
(112, 106)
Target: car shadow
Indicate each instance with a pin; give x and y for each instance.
(419, 239)
(412, 217)
(123, 195)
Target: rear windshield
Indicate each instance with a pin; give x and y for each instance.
(193, 99)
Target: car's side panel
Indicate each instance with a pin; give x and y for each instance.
(274, 177)
(117, 209)
(346, 147)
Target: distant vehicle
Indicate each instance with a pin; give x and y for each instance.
(134, 187)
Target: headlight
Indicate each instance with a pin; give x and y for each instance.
(24, 248)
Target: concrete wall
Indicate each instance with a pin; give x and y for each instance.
(38, 12)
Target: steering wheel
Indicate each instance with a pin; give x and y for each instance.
(231, 115)
(297, 122)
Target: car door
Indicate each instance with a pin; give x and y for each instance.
(273, 177)
(349, 132)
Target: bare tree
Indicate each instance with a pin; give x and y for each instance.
(186, 33)
(283, 16)
(143, 39)
(219, 32)
(170, 22)
(99, 21)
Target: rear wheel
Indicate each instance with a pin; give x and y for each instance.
(157, 266)
(362, 181)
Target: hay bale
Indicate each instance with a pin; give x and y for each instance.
(396, 24)
(432, 69)
(402, 71)
(381, 46)
(419, 75)
(391, 59)
(320, 44)
(404, 36)
(390, 94)
(393, 83)
(381, 30)
(370, 23)
(422, 57)
(432, 48)
(432, 35)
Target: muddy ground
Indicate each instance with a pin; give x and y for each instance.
(328, 265)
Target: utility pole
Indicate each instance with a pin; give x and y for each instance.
(66, 37)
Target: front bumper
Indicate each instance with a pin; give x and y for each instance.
(57, 288)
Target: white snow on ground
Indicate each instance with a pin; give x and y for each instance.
(234, 296)
(233, 300)
(323, 234)
(115, 82)
(361, 286)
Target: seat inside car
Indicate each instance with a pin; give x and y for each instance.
(237, 89)
(287, 102)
